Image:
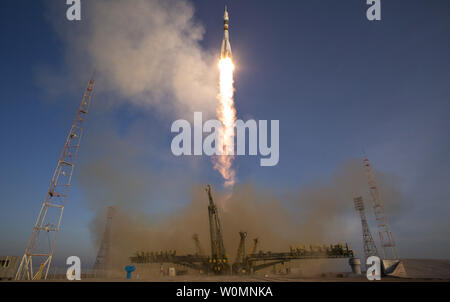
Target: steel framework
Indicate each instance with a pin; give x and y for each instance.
(251, 262)
(41, 244)
(240, 255)
(215, 228)
(217, 263)
(384, 232)
(103, 260)
(370, 249)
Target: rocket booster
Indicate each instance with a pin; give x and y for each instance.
(225, 51)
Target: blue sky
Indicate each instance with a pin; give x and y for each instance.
(337, 82)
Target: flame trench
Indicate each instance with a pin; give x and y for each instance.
(226, 114)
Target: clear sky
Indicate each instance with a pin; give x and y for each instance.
(337, 82)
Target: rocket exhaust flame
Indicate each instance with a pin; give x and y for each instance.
(226, 112)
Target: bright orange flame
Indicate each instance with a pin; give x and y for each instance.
(227, 116)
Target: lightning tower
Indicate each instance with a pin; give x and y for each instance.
(40, 248)
(103, 261)
(370, 249)
(384, 232)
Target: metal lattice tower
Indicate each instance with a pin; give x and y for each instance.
(370, 249)
(385, 235)
(103, 260)
(215, 228)
(40, 248)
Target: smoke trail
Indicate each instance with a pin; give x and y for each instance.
(146, 53)
(226, 113)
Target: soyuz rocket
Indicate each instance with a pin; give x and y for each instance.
(225, 51)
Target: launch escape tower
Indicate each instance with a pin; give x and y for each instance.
(103, 260)
(370, 248)
(384, 232)
(217, 247)
(41, 245)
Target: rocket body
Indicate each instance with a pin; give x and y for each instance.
(225, 51)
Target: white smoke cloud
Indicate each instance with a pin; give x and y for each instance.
(144, 51)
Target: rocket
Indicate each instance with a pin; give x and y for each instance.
(225, 51)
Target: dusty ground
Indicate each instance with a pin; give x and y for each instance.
(410, 270)
(257, 278)
(244, 279)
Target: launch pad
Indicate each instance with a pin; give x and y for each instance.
(244, 264)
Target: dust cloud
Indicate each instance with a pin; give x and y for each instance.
(317, 214)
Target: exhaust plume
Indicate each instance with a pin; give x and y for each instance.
(316, 214)
(226, 114)
(147, 53)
